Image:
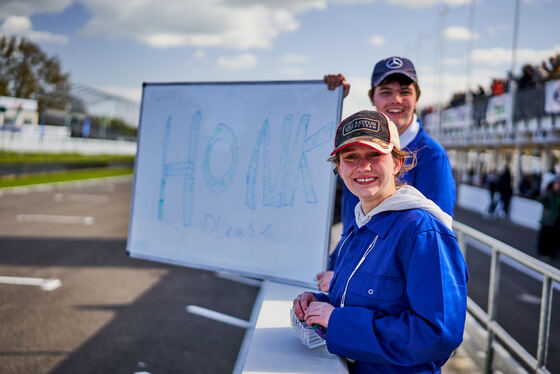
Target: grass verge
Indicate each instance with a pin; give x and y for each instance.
(63, 176)
(22, 158)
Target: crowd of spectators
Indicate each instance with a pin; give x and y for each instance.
(528, 103)
(529, 94)
(531, 185)
(553, 68)
(531, 77)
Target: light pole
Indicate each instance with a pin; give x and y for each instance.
(513, 92)
(468, 93)
(515, 41)
(442, 15)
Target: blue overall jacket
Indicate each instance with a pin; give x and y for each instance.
(399, 292)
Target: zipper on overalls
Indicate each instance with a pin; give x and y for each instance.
(357, 266)
(344, 242)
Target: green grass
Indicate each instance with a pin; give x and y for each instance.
(20, 158)
(63, 176)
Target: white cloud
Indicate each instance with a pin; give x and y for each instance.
(495, 29)
(491, 56)
(239, 62)
(291, 58)
(21, 26)
(350, 2)
(459, 33)
(291, 5)
(26, 8)
(291, 65)
(16, 25)
(293, 71)
(377, 40)
(452, 61)
(503, 56)
(241, 25)
(199, 54)
(457, 2)
(164, 40)
(41, 36)
(440, 87)
(358, 98)
(415, 4)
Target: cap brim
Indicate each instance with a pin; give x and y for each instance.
(376, 146)
(380, 79)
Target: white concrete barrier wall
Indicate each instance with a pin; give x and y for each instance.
(48, 142)
(525, 212)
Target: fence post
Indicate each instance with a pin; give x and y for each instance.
(544, 321)
(492, 307)
(461, 241)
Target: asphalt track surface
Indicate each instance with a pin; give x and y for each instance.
(112, 313)
(115, 314)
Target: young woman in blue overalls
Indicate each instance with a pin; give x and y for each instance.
(397, 301)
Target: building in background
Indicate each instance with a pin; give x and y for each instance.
(16, 112)
(518, 129)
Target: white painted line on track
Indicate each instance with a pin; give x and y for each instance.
(195, 309)
(529, 299)
(511, 263)
(45, 284)
(49, 218)
(81, 198)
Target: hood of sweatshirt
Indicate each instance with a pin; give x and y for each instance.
(406, 197)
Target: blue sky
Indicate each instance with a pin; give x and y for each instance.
(115, 46)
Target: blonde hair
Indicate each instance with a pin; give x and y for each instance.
(408, 162)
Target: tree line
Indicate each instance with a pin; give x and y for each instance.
(29, 73)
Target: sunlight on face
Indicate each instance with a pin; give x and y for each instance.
(368, 174)
(398, 101)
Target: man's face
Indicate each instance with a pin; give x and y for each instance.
(396, 100)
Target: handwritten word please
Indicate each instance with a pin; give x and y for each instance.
(215, 225)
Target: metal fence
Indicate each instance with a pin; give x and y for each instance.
(550, 275)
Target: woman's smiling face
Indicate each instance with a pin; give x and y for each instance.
(368, 174)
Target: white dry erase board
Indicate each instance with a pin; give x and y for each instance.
(234, 177)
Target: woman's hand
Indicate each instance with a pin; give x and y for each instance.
(324, 280)
(319, 313)
(335, 80)
(301, 304)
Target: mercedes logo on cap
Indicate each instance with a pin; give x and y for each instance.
(394, 63)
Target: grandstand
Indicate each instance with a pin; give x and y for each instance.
(518, 128)
(105, 104)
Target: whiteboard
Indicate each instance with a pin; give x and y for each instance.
(234, 177)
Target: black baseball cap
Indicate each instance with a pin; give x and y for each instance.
(393, 65)
(370, 128)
